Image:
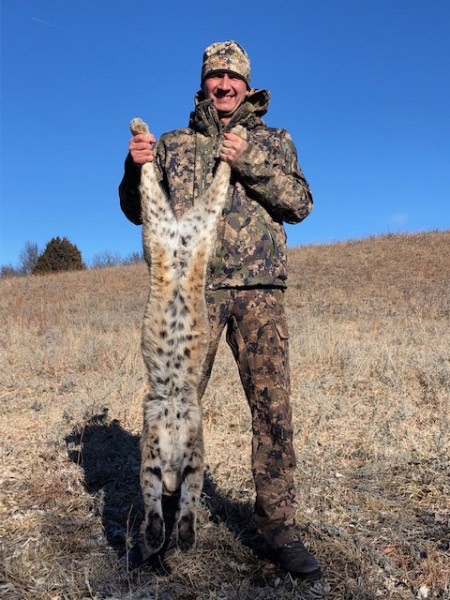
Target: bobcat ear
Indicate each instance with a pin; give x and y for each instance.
(240, 131)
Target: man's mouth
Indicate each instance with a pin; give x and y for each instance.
(223, 95)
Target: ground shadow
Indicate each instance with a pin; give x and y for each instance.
(110, 459)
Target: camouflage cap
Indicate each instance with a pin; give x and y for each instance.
(227, 57)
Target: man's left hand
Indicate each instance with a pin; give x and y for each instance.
(232, 147)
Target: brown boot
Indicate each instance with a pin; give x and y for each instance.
(287, 550)
(297, 560)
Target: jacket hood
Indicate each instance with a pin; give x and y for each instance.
(205, 119)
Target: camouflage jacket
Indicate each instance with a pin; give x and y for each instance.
(267, 188)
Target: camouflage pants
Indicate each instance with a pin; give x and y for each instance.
(257, 335)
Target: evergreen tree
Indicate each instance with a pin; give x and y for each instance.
(59, 255)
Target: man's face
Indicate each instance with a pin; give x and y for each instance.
(227, 91)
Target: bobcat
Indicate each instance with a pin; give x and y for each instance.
(175, 338)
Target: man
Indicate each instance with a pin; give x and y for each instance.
(247, 273)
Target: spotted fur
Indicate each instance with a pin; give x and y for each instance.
(175, 340)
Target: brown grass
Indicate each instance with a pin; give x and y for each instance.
(370, 360)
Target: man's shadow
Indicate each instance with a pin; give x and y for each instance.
(110, 459)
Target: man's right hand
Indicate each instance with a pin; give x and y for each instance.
(141, 148)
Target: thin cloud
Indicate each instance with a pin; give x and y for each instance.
(43, 22)
(399, 219)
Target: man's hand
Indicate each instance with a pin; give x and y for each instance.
(232, 147)
(141, 148)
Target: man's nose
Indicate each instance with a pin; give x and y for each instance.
(224, 82)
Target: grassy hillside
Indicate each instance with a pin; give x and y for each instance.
(370, 362)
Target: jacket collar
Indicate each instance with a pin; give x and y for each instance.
(205, 119)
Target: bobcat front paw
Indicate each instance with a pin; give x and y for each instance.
(186, 532)
(154, 533)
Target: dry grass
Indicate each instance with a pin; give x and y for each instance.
(370, 358)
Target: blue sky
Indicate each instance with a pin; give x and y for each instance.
(363, 87)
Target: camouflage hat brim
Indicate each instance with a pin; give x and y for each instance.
(221, 71)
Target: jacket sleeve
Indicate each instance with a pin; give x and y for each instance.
(272, 175)
(130, 198)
